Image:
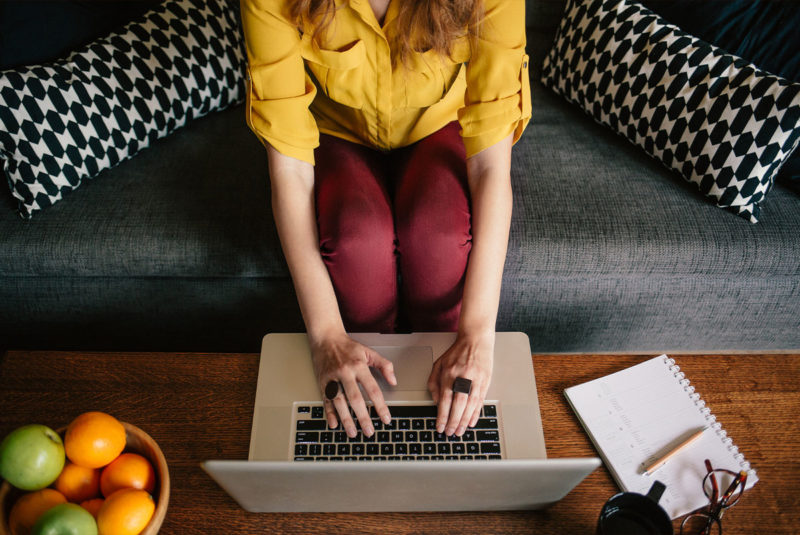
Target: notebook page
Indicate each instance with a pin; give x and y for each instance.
(638, 414)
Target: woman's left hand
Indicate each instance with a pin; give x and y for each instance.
(470, 357)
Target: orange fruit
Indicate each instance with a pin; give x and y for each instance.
(93, 506)
(94, 439)
(129, 470)
(78, 483)
(30, 507)
(126, 512)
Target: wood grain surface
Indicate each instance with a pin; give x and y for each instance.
(199, 406)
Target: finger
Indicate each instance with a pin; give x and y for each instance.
(384, 365)
(474, 402)
(460, 400)
(340, 402)
(360, 408)
(445, 400)
(433, 382)
(376, 396)
(330, 413)
(477, 414)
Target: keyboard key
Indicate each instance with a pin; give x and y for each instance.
(343, 449)
(411, 436)
(426, 436)
(303, 409)
(487, 436)
(430, 424)
(440, 437)
(443, 448)
(306, 436)
(490, 411)
(357, 449)
(429, 448)
(468, 436)
(486, 423)
(329, 449)
(339, 436)
(401, 449)
(311, 425)
(383, 436)
(495, 457)
(326, 436)
(304, 458)
(451, 458)
(372, 449)
(397, 436)
(414, 411)
(490, 447)
(459, 448)
(317, 412)
(404, 424)
(391, 425)
(387, 449)
(473, 447)
(415, 448)
(301, 449)
(418, 424)
(315, 449)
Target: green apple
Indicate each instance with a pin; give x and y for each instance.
(65, 519)
(31, 457)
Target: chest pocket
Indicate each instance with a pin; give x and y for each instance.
(339, 73)
(429, 75)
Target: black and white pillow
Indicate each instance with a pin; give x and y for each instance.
(66, 121)
(718, 120)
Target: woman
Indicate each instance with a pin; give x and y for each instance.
(388, 213)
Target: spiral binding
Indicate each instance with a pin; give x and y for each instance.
(709, 416)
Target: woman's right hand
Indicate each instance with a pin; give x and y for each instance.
(340, 358)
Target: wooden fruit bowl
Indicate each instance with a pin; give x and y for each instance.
(137, 442)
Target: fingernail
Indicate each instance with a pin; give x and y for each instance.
(440, 428)
(460, 431)
(351, 432)
(368, 430)
(386, 418)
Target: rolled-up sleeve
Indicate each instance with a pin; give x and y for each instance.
(498, 99)
(279, 89)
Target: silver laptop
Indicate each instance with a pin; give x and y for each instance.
(296, 463)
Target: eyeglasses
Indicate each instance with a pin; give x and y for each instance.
(709, 522)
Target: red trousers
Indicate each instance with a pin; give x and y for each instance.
(394, 231)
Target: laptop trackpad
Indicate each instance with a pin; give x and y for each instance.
(412, 366)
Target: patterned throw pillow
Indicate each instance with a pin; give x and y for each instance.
(66, 121)
(718, 120)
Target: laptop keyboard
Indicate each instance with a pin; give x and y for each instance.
(411, 436)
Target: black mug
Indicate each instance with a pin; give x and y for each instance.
(630, 513)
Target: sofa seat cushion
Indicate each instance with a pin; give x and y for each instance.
(194, 205)
(586, 202)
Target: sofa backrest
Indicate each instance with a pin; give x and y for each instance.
(543, 14)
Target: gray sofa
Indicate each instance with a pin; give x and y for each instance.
(609, 251)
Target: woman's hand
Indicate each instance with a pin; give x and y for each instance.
(470, 357)
(340, 358)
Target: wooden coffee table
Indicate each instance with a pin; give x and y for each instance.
(199, 406)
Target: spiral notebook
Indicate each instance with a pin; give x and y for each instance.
(638, 414)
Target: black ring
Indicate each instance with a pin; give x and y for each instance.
(332, 389)
(461, 385)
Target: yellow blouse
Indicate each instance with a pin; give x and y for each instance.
(348, 88)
